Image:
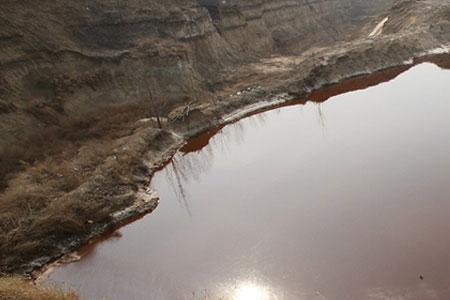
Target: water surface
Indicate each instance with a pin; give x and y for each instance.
(346, 199)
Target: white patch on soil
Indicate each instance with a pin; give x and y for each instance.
(379, 28)
(440, 50)
(274, 101)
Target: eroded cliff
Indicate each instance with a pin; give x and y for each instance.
(59, 58)
(81, 83)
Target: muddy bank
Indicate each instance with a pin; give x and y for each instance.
(198, 130)
(110, 51)
(99, 177)
(333, 200)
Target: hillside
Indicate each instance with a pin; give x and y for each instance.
(95, 95)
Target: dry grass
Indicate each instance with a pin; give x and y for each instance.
(35, 216)
(108, 123)
(15, 288)
(41, 206)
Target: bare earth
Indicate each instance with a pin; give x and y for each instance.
(73, 182)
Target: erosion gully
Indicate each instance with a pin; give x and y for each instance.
(343, 196)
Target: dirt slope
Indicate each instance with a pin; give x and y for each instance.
(81, 81)
(60, 58)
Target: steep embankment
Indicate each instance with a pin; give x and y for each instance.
(60, 58)
(75, 77)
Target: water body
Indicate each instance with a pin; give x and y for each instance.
(345, 199)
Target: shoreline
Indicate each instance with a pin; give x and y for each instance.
(146, 200)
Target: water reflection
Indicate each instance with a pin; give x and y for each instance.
(321, 117)
(176, 179)
(191, 163)
(252, 291)
(270, 208)
(249, 289)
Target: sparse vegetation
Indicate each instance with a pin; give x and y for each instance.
(40, 207)
(57, 183)
(68, 135)
(16, 288)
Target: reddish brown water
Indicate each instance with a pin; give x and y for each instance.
(348, 199)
